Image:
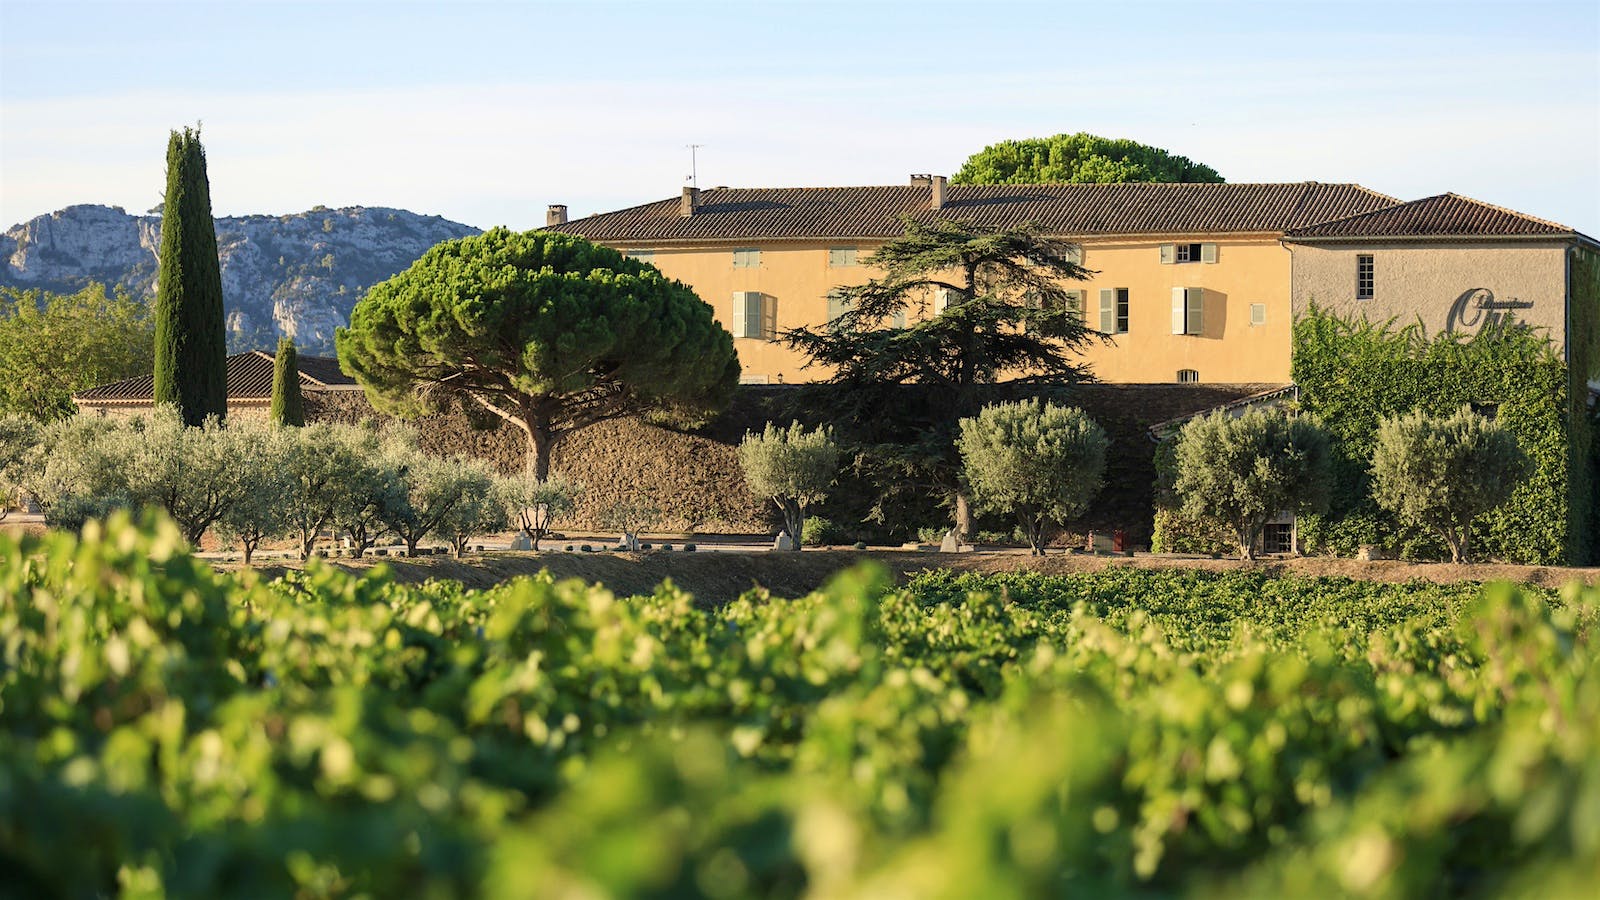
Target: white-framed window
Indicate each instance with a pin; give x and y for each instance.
(755, 315)
(1188, 253)
(898, 319)
(1365, 272)
(644, 256)
(1074, 305)
(1188, 310)
(941, 299)
(1258, 314)
(841, 257)
(1188, 376)
(747, 258)
(1114, 310)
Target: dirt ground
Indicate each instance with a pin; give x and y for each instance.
(717, 577)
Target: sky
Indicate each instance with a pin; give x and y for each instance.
(486, 112)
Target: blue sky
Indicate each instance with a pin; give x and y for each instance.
(486, 112)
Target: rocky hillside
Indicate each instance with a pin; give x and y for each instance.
(297, 275)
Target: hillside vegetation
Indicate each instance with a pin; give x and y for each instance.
(166, 729)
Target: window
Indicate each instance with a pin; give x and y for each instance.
(747, 258)
(755, 315)
(1188, 310)
(644, 256)
(1114, 310)
(1188, 253)
(841, 257)
(1074, 305)
(942, 298)
(1188, 376)
(898, 319)
(1364, 272)
(1277, 537)
(1258, 314)
(838, 305)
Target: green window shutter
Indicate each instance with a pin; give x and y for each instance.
(1074, 305)
(1180, 310)
(769, 315)
(1196, 308)
(1169, 254)
(1108, 310)
(1208, 253)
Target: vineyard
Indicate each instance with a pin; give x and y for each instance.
(168, 730)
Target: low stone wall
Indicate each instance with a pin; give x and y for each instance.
(693, 478)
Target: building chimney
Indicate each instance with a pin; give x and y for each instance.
(690, 201)
(921, 180)
(555, 214)
(936, 198)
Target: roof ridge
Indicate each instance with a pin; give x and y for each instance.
(1498, 208)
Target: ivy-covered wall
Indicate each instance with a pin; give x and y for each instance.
(1353, 373)
(1583, 357)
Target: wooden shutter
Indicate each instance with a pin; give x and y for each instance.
(769, 315)
(1169, 254)
(1108, 310)
(1208, 253)
(1180, 310)
(1196, 308)
(741, 318)
(1074, 302)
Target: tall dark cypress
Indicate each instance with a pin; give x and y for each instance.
(288, 407)
(191, 342)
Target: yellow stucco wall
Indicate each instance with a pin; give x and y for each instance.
(1412, 280)
(1248, 269)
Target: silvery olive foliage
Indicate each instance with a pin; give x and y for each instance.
(792, 466)
(532, 505)
(1444, 472)
(1243, 470)
(1036, 461)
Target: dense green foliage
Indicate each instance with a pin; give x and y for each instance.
(1352, 374)
(1443, 472)
(959, 306)
(544, 330)
(1078, 158)
(288, 406)
(1583, 370)
(1035, 461)
(165, 729)
(1243, 470)
(793, 467)
(52, 345)
(191, 348)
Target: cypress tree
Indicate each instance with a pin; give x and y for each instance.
(288, 407)
(191, 342)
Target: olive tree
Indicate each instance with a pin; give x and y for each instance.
(1241, 471)
(371, 487)
(1443, 472)
(477, 510)
(317, 461)
(72, 471)
(19, 435)
(534, 504)
(1036, 461)
(792, 466)
(194, 473)
(259, 514)
(544, 330)
(429, 490)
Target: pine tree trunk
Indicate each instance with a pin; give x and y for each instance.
(191, 339)
(540, 444)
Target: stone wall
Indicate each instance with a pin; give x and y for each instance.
(692, 476)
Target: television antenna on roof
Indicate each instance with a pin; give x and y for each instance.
(694, 170)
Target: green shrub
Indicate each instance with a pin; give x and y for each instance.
(793, 467)
(1036, 461)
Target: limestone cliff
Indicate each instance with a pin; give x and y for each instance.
(297, 275)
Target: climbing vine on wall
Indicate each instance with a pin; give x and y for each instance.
(1352, 373)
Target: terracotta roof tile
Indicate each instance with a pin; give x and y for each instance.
(1068, 210)
(1445, 215)
(249, 378)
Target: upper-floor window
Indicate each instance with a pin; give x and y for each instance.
(1188, 376)
(1114, 310)
(1188, 310)
(841, 257)
(1258, 314)
(747, 257)
(755, 315)
(1188, 253)
(1364, 273)
(644, 256)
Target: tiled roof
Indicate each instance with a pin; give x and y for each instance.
(1445, 215)
(1068, 210)
(1269, 395)
(249, 378)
